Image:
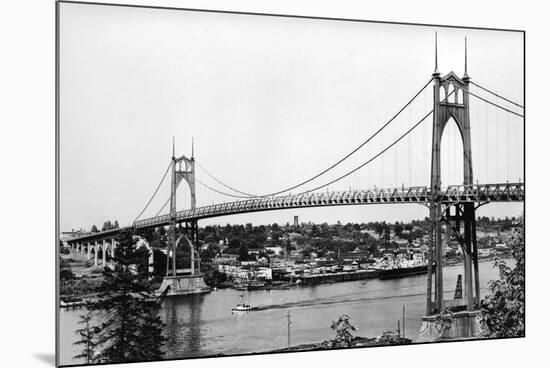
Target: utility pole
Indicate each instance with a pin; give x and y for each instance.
(398, 329)
(288, 328)
(403, 320)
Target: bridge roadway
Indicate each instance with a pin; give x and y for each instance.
(477, 193)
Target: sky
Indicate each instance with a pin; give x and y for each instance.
(269, 102)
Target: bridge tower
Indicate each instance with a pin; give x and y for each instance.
(183, 168)
(451, 103)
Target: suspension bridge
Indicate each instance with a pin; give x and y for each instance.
(452, 208)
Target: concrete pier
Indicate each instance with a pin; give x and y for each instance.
(183, 285)
(462, 325)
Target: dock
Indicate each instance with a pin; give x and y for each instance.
(323, 278)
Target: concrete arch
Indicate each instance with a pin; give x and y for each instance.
(452, 152)
(194, 253)
(142, 242)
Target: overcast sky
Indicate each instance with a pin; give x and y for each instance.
(270, 101)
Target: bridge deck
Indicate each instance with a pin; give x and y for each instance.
(478, 193)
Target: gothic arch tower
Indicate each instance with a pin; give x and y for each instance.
(451, 104)
(183, 168)
(183, 282)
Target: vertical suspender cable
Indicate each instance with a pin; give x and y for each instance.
(184, 198)
(497, 137)
(487, 143)
(507, 147)
(477, 137)
(395, 155)
(521, 161)
(381, 163)
(409, 142)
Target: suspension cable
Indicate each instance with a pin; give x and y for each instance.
(372, 158)
(336, 163)
(219, 191)
(487, 101)
(155, 193)
(349, 172)
(220, 182)
(496, 94)
(162, 208)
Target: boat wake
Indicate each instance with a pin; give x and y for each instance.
(329, 301)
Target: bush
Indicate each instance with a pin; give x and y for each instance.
(504, 309)
(343, 328)
(389, 338)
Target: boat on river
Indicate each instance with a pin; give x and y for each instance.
(243, 307)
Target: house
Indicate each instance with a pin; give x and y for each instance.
(501, 247)
(263, 273)
(225, 258)
(277, 250)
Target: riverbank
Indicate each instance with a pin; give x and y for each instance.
(356, 342)
(203, 325)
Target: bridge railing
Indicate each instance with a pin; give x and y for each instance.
(418, 194)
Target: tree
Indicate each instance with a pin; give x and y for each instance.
(306, 252)
(131, 328)
(234, 243)
(343, 328)
(94, 229)
(209, 253)
(65, 271)
(88, 339)
(243, 253)
(379, 228)
(504, 308)
(398, 229)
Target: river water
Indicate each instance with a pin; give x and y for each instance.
(203, 325)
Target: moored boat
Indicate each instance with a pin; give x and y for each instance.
(393, 273)
(71, 302)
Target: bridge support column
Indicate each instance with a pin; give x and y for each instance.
(113, 246)
(89, 249)
(104, 253)
(470, 257)
(96, 246)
